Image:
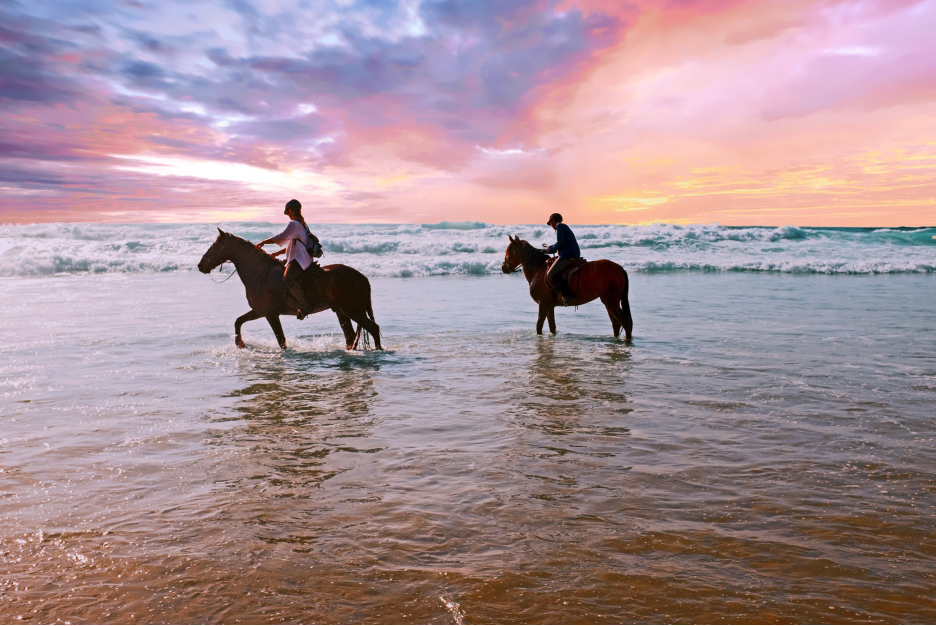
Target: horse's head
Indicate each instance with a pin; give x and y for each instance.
(217, 254)
(513, 258)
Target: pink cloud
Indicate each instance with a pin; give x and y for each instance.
(685, 110)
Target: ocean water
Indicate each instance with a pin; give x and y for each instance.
(474, 248)
(764, 451)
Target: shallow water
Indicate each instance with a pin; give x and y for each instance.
(764, 452)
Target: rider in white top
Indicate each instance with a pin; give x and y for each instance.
(296, 237)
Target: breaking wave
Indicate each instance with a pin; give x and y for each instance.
(475, 248)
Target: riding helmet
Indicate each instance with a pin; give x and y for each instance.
(555, 217)
(293, 204)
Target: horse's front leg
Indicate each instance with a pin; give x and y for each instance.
(249, 316)
(544, 311)
(551, 316)
(274, 321)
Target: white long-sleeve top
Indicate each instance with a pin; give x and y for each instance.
(296, 239)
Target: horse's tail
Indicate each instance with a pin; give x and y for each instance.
(363, 337)
(625, 306)
(361, 334)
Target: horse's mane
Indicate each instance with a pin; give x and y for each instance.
(260, 254)
(530, 255)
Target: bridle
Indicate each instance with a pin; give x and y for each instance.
(221, 268)
(519, 265)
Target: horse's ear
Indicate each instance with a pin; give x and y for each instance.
(511, 238)
(220, 232)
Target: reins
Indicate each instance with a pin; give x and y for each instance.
(218, 282)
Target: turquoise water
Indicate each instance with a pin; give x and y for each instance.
(763, 452)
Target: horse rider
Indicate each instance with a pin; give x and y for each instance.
(297, 237)
(569, 252)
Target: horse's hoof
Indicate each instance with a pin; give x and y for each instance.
(349, 347)
(239, 343)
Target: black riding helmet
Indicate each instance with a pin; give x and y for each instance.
(555, 217)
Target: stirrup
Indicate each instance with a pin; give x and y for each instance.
(300, 315)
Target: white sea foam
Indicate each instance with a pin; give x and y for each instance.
(474, 248)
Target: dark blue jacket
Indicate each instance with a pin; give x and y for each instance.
(565, 243)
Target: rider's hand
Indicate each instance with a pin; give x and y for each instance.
(259, 246)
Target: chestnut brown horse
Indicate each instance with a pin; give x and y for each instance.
(597, 279)
(340, 288)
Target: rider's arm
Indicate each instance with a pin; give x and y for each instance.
(288, 233)
(279, 252)
(560, 241)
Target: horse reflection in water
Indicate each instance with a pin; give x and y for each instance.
(574, 387)
(337, 287)
(301, 425)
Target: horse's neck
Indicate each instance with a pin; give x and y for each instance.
(252, 265)
(533, 262)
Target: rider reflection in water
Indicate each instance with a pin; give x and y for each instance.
(568, 250)
(297, 237)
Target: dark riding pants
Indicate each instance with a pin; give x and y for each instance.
(558, 266)
(292, 277)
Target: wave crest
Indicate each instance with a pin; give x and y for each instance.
(474, 248)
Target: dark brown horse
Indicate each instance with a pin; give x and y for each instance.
(597, 279)
(340, 288)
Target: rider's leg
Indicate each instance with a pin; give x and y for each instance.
(554, 275)
(293, 280)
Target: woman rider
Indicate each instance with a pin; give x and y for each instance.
(296, 236)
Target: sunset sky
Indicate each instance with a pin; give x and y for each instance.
(689, 111)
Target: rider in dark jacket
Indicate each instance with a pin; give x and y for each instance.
(568, 250)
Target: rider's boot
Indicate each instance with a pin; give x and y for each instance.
(295, 288)
(567, 295)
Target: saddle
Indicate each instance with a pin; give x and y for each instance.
(567, 273)
(277, 284)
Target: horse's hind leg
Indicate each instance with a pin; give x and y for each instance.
(370, 315)
(246, 317)
(274, 321)
(626, 313)
(615, 313)
(551, 318)
(348, 329)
